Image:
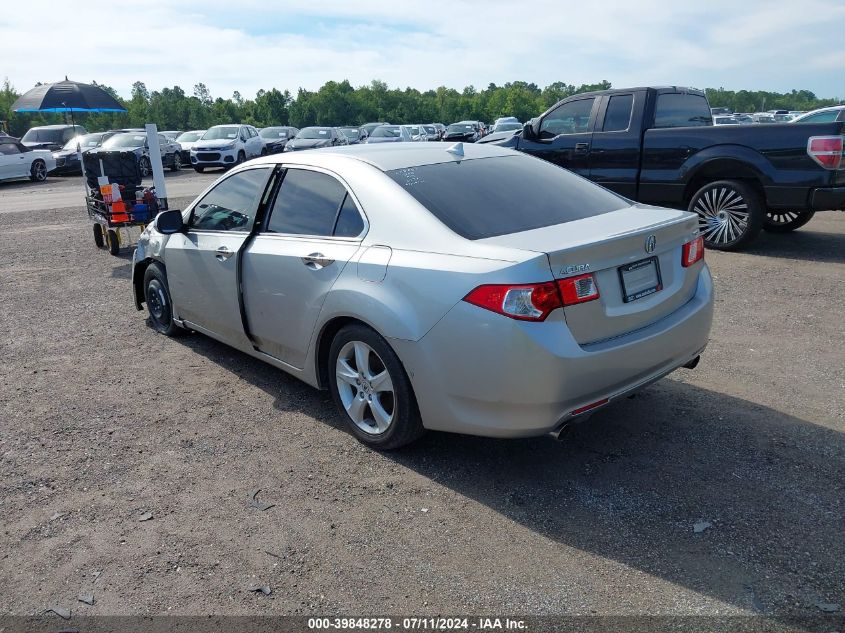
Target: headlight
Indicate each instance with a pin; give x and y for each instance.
(229, 145)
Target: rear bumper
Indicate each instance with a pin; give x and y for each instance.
(828, 199)
(488, 375)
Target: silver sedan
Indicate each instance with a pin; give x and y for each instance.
(462, 288)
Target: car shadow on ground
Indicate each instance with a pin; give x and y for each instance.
(722, 496)
(803, 244)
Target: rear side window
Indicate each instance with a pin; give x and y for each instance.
(307, 204)
(681, 110)
(508, 194)
(822, 117)
(9, 148)
(349, 221)
(618, 115)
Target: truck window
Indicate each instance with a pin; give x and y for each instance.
(568, 118)
(617, 118)
(681, 110)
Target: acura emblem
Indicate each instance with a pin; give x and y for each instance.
(650, 244)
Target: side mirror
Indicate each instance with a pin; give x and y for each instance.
(531, 130)
(169, 222)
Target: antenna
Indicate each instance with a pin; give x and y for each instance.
(457, 149)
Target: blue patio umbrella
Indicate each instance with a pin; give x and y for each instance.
(67, 96)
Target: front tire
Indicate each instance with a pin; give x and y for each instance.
(730, 214)
(113, 241)
(786, 221)
(372, 390)
(199, 170)
(38, 171)
(157, 298)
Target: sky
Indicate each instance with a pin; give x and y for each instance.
(246, 45)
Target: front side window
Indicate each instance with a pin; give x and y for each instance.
(617, 118)
(230, 206)
(307, 204)
(681, 110)
(569, 118)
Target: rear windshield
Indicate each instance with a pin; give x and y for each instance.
(501, 195)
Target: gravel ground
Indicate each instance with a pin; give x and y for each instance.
(106, 423)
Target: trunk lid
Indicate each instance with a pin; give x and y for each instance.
(630, 252)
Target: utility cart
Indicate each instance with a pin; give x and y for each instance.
(118, 205)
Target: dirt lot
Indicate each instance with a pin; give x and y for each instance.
(104, 420)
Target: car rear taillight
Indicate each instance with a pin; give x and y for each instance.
(526, 302)
(692, 252)
(826, 150)
(534, 302)
(580, 289)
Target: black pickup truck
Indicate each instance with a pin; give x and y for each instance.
(659, 146)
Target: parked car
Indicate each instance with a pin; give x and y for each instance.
(354, 135)
(19, 161)
(173, 135)
(763, 117)
(68, 159)
(744, 119)
(506, 119)
(822, 115)
(417, 133)
(724, 119)
(275, 138)
(431, 132)
(186, 141)
(226, 145)
(507, 126)
(658, 145)
(315, 137)
(52, 137)
(390, 134)
(720, 110)
(369, 127)
(439, 307)
(465, 132)
(441, 129)
(171, 151)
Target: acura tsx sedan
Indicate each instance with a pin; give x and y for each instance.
(464, 288)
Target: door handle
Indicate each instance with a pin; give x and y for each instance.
(223, 253)
(316, 261)
(581, 148)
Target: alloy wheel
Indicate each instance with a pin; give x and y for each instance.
(365, 388)
(722, 215)
(39, 170)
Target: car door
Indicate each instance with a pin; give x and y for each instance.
(10, 159)
(615, 150)
(313, 229)
(203, 261)
(565, 135)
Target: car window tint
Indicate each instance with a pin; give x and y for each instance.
(9, 148)
(230, 206)
(569, 118)
(509, 194)
(681, 110)
(618, 115)
(821, 117)
(306, 204)
(349, 220)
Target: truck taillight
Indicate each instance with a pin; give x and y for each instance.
(692, 252)
(826, 150)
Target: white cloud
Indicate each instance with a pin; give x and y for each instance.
(755, 45)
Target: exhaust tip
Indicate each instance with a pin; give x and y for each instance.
(693, 363)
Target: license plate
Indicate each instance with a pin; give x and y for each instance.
(640, 279)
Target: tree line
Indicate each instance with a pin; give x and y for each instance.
(339, 103)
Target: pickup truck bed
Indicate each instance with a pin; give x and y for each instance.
(658, 145)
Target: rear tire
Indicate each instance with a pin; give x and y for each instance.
(177, 162)
(372, 390)
(38, 171)
(786, 221)
(98, 236)
(113, 241)
(157, 298)
(145, 167)
(730, 214)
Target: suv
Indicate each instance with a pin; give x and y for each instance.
(226, 145)
(52, 137)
